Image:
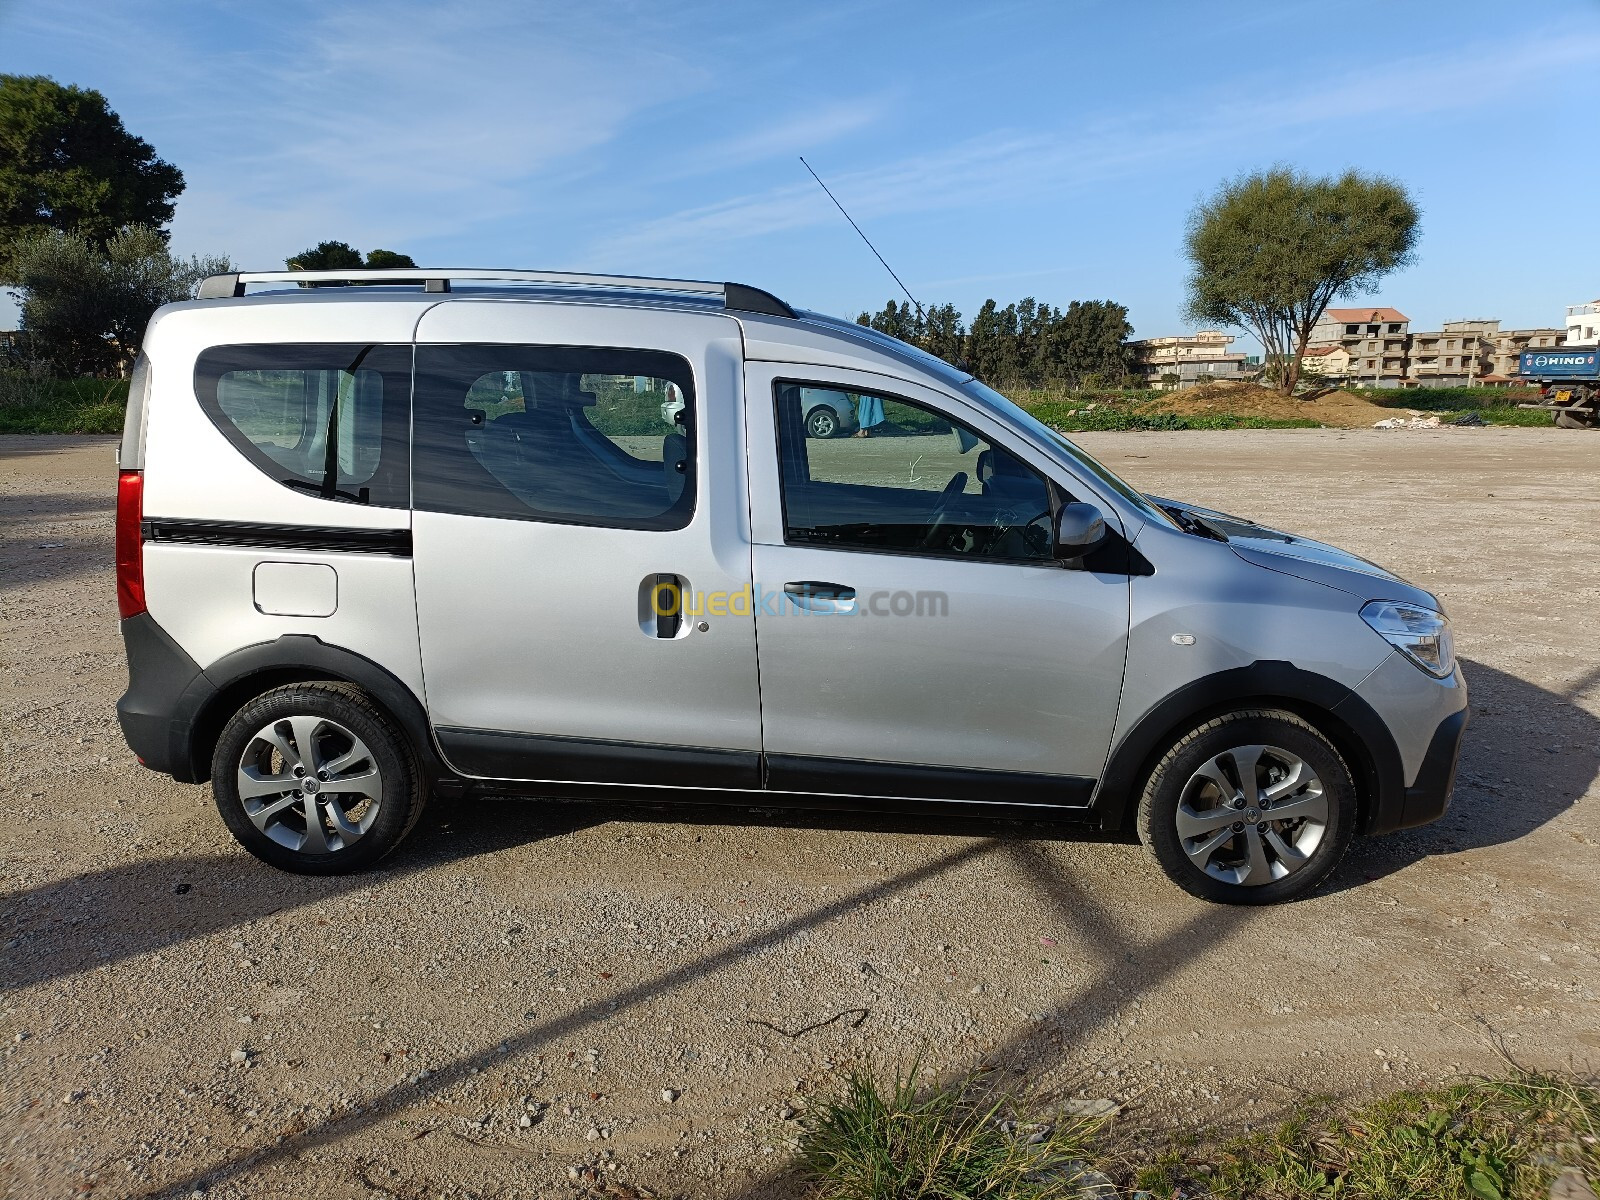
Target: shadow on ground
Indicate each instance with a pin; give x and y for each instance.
(1529, 754)
(78, 924)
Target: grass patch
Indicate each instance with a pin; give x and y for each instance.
(1084, 415)
(29, 404)
(1440, 400)
(1498, 406)
(1480, 1139)
(921, 1140)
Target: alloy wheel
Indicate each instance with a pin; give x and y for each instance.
(1252, 815)
(310, 784)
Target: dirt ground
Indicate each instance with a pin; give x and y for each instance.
(528, 989)
(1337, 410)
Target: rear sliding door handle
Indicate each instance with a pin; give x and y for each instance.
(666, 597)
(815, 596)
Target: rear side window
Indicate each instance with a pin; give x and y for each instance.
(330, 420)
(570, 434)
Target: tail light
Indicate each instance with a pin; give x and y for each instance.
(130, 543)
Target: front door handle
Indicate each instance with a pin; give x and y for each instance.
(814, 596)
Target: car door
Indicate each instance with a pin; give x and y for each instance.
(569, 461)
(917, 638)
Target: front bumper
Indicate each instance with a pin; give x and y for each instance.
(1426, 719)
(1428, 798)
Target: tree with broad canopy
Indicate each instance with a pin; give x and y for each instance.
(1271, 250)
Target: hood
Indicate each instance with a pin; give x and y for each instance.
(1303, 558)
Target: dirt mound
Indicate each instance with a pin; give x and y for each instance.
(1339, 409)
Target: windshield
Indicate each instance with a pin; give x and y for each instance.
(1091, 467)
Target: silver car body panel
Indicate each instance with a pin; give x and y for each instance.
(1239, 614)
(1021, 674)
(536, 627)
(204, 595)
(1412, 704)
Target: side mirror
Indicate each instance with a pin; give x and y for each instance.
(1079, 529)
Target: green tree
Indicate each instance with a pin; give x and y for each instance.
(944, 334)
(984, 342)
(386, 259)
(327, 256)
(1090, 337)
(1271, 250)
(85, 306)
(1009, 361)
(897, 320)
(342, 256)
(68, 164)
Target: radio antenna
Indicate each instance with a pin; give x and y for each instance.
(864, 237)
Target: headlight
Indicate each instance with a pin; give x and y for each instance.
(1421, 634)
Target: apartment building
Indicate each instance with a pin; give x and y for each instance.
(1583, 324)
(1509, 345)
(1460, 354)
(1374, 338)
(1384, 351)
(1193, 358)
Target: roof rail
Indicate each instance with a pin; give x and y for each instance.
(737, 297)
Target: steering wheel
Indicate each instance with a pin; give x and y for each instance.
(1006, 522)
(939, 517)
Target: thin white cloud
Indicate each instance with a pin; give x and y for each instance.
(390, 123)
(807, 130)
(1009, 165)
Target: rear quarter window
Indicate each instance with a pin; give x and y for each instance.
(330, 420)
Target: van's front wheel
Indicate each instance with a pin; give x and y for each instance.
(1253, 807)
(313, 778)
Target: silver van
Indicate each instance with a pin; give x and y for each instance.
(383, 535)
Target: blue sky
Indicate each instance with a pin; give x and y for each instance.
(1005, 149)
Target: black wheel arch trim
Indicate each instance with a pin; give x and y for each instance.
(1344, 718)
(223, 687)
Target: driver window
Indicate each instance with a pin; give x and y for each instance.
(873, 472)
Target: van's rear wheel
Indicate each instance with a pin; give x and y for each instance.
(1253, 807)
(314, 778)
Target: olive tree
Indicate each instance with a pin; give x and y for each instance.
(85, 306)
(1271, 250)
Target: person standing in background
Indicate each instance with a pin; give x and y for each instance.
(869, 413)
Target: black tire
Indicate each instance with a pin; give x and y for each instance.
(1575, 419)
(1211, 746)
(823, 422)
(341, 714)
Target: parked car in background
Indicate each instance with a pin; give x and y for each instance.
(827, 413)
(425, 535)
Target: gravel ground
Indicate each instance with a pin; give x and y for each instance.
(527, 991)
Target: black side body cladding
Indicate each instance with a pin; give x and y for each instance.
(842, 776)
(395, 542)
(502, 755)
(159, 673)
(179, 740)
(1349, 721)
